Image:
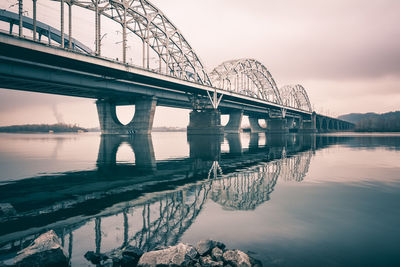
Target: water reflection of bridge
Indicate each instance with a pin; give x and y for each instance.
(150, 203)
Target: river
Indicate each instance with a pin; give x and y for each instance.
(295, 200)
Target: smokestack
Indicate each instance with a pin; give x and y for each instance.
(57, 115)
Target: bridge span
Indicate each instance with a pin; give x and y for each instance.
(63, 65)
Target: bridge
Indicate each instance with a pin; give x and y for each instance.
(48, 60)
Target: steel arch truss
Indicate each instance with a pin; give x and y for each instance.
(295, 96)
(248, 77)
(156, 31)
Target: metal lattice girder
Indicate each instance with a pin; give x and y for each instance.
(156, 31)
(295, 96)
(248, 77)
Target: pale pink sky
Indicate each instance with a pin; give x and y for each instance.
(346, 53)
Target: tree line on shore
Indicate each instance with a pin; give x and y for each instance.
(372, 122)
(42, 128)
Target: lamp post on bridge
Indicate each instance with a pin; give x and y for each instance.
(34, 19)
(62, 23)
(20, 11)
(69, 24)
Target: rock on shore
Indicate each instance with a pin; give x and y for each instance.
(46, 250)
(207, 253)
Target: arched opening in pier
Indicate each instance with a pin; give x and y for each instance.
(125, 113)
(224, 119)
(245, 122)
(168, 118)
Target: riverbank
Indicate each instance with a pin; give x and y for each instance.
(67, 128)
(43, 128)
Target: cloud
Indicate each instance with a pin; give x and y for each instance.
(299, 39)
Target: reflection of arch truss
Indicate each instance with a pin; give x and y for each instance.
(295, 96)
(246, 190)
(161, 220)
(156, 31)
(248, 77)
(176, 215)
(294, 168)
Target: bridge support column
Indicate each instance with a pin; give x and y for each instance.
(20, 14)
(309, 126)
(291, 124)
(255, 126)
(277, 126)
(235, 121)
(142, 121)
(205, 121)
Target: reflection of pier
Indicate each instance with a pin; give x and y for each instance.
(154, 205)
(142, 147)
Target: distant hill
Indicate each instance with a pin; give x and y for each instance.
(42, 128)
(356, 117)
(373, 122)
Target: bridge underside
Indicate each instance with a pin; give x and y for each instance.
(29, 66)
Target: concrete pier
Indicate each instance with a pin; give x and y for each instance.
(206, 121)
(142, 121)
(291, 123)
(308, 126)
(277, 126)
(235, 121)
(255, 126)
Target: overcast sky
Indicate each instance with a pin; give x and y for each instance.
(346, 53)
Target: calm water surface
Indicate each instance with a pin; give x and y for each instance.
(324, 200)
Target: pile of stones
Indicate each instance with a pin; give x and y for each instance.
(46, 250)
(208, 253)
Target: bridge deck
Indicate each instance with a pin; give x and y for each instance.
(31, 66)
